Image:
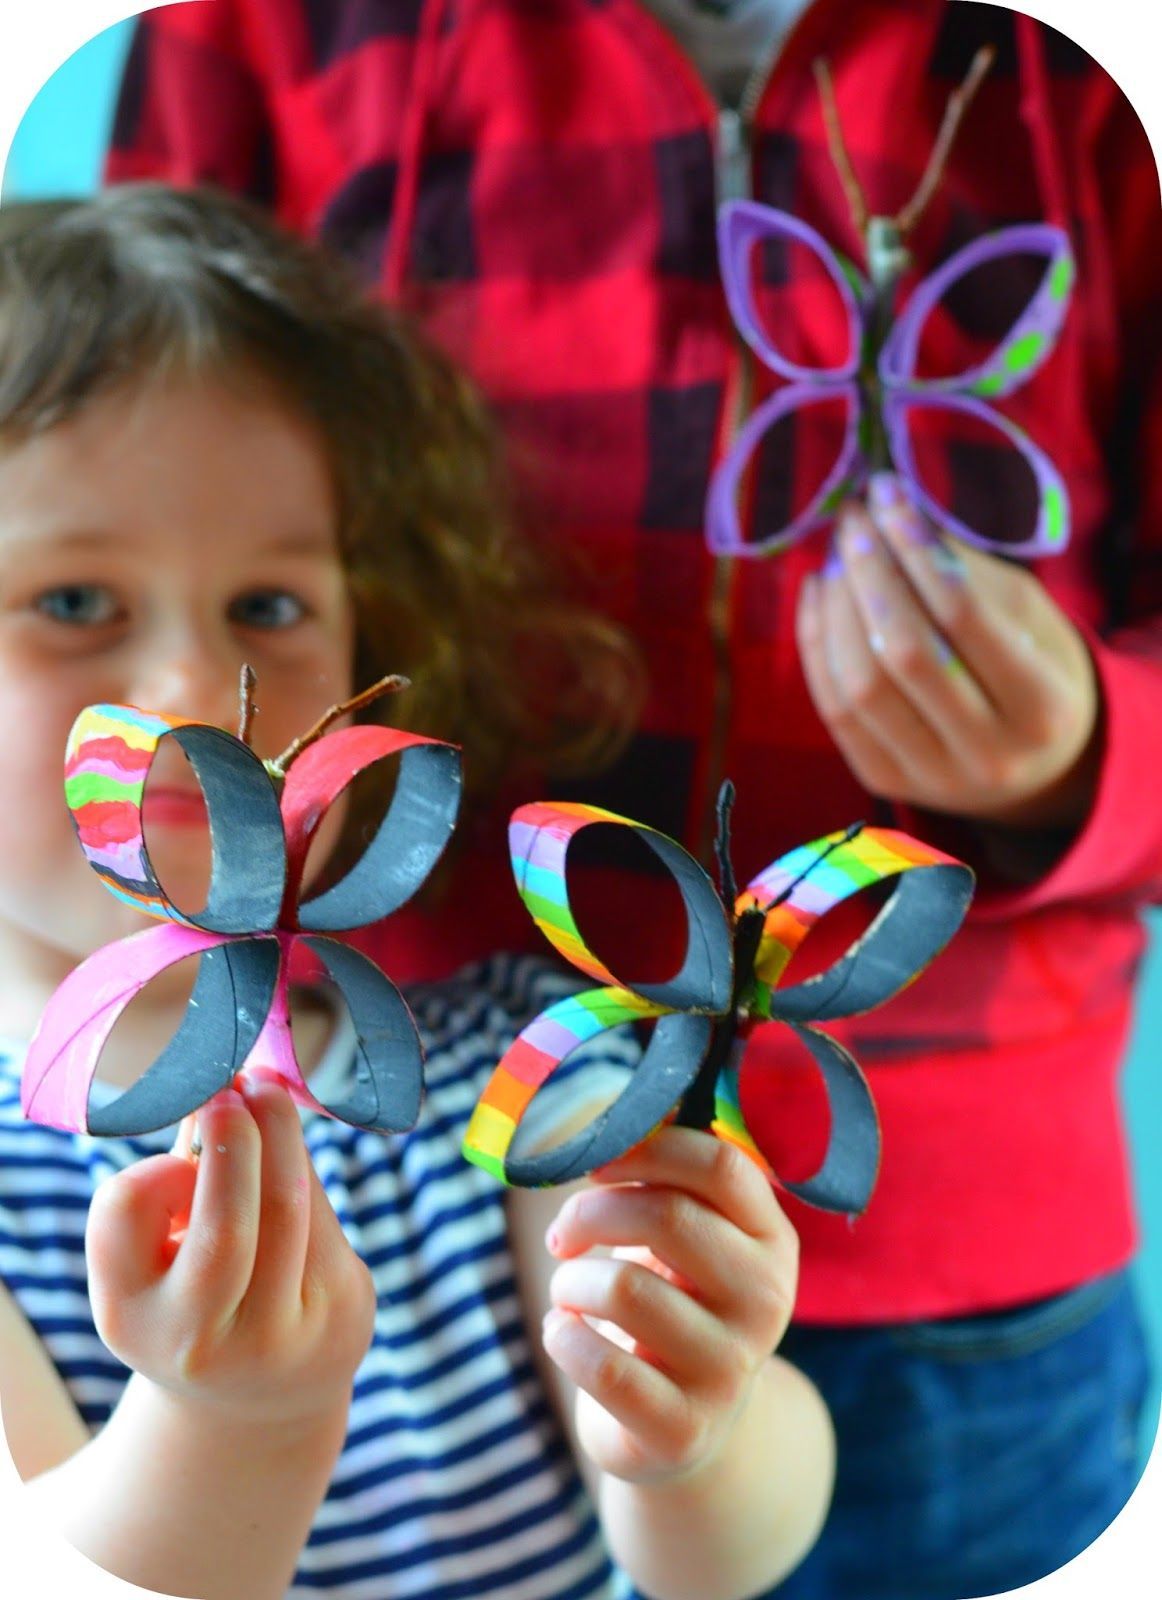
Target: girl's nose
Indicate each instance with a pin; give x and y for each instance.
(197, 679)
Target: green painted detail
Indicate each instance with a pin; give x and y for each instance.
(991, 383)
(89, 788)
(836, 498)
(852, 274)
(1061, 278)
(1023, 352)
(846, 861)
(1054, 516)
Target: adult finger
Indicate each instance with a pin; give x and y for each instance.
(872, 764)
(868, 698)
(981, 604)
(910, 650)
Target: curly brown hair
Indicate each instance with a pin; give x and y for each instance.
(145, 280)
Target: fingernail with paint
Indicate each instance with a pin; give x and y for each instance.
(884, 491)
(948, 561)
(856, 536)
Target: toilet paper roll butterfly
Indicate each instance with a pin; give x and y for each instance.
(736, 954)
(893, 415)
(262, 818)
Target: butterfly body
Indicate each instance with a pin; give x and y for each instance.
(698, 1107)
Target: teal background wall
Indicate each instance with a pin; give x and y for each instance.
(58, 152)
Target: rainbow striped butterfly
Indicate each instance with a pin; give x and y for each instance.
(261, 825)
(890, 409)
(730, 973)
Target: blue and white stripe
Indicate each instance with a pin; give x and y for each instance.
(455, 1481)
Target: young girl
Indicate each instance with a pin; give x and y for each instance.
(212, 449)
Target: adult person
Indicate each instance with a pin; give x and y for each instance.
(539, 184)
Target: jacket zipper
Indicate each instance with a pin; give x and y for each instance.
(733, 180)
(730, 129)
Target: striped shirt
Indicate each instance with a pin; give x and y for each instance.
(455, 1479)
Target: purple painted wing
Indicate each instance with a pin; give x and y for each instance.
(970, 284)
(800, 445)
(970, 468)
(804, 442)
(977, 474)
(801, 254)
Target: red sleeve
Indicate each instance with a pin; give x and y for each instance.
(191, 109)
(1117, 855)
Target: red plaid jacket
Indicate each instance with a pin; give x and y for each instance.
(538, 183)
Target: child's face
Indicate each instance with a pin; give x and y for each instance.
(148, 548)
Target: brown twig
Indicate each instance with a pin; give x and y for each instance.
(247, 679)
(389, 685)
(954, 112)
(838, 148)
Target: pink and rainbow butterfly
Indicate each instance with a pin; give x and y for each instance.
(262, 822)
(733, 964)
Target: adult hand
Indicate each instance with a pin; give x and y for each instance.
(227, 1281)
(948, 678)
(691, 1304)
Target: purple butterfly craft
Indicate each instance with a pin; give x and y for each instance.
(885, 395)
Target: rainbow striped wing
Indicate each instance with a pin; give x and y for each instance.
(931, 896)
(682, 1009)
(927, 906)
(666, 1070)
(847, 1174)
(107, 760)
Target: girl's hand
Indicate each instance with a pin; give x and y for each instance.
(228, 1282)
(947, 677)
(692, 1303)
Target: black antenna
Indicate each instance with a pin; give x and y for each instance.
(722, 809)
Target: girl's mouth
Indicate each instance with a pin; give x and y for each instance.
(173, 808)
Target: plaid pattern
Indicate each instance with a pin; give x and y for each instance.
(548, 169)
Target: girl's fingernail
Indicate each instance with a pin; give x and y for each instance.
(552, 1239)
(553, 1321)
(832, 566)
(224, 1099)
(255, 1079)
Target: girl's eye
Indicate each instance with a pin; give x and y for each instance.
(267, 608)
(79, 605)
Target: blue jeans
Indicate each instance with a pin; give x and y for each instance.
(975, 1454)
